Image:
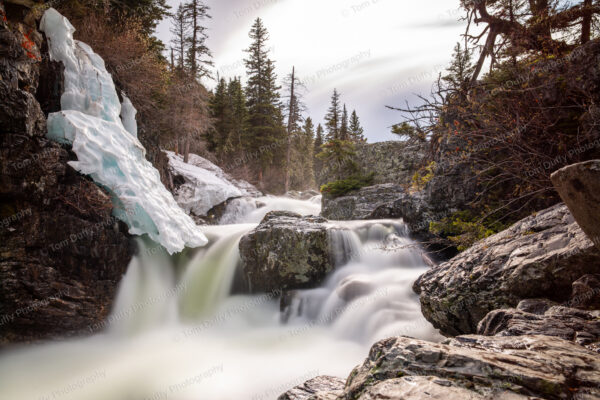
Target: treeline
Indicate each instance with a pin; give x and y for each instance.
(261, 131)
(499, 134)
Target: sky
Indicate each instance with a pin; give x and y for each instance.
(375, 52)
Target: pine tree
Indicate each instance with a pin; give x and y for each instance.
(239, 115)
(460, 71)
(344, 131)
(333, 117)
(317, 163)
(293, 108)
(265, 120)
(198, 56)
(308, 154)
(221, 114)
(180, 32)
(356, 130)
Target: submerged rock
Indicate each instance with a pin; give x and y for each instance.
(538, 257)
(579, 187)
(542, 317)
(286, 251)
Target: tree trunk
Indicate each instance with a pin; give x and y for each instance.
(586, 24)
(289, 132)
(186, 154)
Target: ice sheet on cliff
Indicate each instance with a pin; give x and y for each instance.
(106, 149)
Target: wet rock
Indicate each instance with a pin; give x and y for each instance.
(62, 253)
(476, 367)
(581, 327)
(372, 202)
(579, 187)
(538, 257)
(286, 251)
(319, 388)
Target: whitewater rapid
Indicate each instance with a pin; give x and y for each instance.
(177, 331)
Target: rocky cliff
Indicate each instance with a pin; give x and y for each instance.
(62, 253)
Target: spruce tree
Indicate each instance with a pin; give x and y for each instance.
(317, 163)
(333, 117)
(198, 57)
(221, 114)
(356, 130)
(179, 30)
(239, 114)
(265, 119)
(344, 130)
(307, 150)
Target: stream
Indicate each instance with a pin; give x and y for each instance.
(181, 330)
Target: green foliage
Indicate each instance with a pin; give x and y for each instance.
(356, 130)
(408, 132)
(265, 119)
(345, 186)
(338, 157)
(464, 229)
(424, 176)
(334, 117)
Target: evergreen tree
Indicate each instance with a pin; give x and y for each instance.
(221, 113)
(239, 114)
(198, 57)
(333, 117)
(265, 119)
(293, 109)
(356, 130)
(317, 164)
(180, 32)
(308, 154)
(460, 71)
(344, 131)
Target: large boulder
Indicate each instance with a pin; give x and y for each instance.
(203, 189)
(538, 257)
(542, 317)
(476, 367)
(471, 368)
(579, 187)
(372, 202)
(286, 251)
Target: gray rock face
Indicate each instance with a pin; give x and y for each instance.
(586, 293)
(579, 187)
(371, 202)
(391, 162)
(286, 252)
(541, 317)
(538, 257)
(475, 367)
(319, 388)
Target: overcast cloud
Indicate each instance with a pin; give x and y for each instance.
(375, 52)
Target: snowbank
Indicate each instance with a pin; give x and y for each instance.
(205, 184)
(107, 149)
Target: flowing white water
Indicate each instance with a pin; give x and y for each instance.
(177, 333)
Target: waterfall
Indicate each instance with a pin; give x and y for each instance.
(177, 332)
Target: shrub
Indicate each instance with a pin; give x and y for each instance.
(344, 186)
